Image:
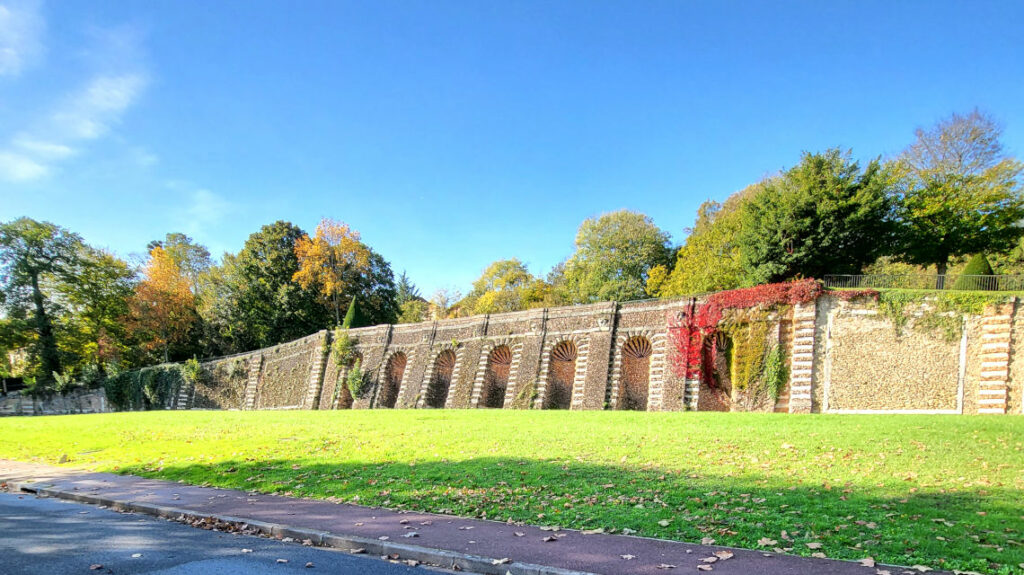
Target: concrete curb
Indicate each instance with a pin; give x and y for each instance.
(441, 557)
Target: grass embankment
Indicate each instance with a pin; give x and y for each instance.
(941, 491)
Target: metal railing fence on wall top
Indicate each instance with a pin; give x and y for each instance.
(927, 282)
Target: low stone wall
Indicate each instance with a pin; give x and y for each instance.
(77, 401)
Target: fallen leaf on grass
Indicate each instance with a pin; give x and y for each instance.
(819, 555)
(814, 545)
(592, 531)
(628, 531)
(764, 542)
(664, 522)
(707, 541)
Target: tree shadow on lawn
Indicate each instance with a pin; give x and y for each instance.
(978, 530)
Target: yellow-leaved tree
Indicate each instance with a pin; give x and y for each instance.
(164, 307)
(327, 261)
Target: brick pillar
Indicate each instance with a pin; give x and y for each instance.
(255, 366)
(995, 359)
(315, 381)
(801, 364)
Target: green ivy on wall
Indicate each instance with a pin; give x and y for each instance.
(940, 312)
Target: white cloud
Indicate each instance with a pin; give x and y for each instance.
(90, 112)
(208, 208)
(20, 168)
(85, 114)
(42, 149)
(21, 29)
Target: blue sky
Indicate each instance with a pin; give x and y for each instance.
(452, 134)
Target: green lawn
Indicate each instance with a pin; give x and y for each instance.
(941, 491)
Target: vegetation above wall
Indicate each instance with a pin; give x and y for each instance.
(68, 309)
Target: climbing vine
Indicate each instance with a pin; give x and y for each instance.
(698, 321)
(344, 347)
(937, 312)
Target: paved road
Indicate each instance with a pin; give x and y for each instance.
(51, 536)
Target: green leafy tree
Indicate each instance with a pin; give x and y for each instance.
(414, 311)
(506, 285)
(614, 254)
(375, 288)
(97, 298)
(32, 256)
(823, 216)
(959, 193)
(709, 260)
(250, 300)
(192, 258)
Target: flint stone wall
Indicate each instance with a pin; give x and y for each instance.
(843, 357)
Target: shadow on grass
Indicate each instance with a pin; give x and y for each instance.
(894, 523)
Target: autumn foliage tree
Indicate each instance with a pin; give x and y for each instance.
(164, 307)
(329, 260)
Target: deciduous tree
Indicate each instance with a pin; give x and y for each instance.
(959, 192)
(163, 309)
(328, 261)
(33, 254)
(614, 254)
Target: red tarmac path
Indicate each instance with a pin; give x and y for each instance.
(569, 550)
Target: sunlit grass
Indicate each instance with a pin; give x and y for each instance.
(941, 491)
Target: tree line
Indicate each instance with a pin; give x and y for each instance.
(75, 313)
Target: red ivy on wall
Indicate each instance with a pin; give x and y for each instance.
(699, 320)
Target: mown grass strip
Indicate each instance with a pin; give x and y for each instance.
(940, 491)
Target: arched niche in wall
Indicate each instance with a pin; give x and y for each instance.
(635, 374)
(441, 380)
(392, 380)
(499, 367)
(561, 374)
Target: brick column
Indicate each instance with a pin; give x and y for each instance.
(801, 364)
(255, 365)
(315, 381)
(995, 360)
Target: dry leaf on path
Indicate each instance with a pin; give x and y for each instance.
(867, 562)
(704, 568)
(628, 557)
(723, 555)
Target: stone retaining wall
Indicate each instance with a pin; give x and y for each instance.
(842, 357)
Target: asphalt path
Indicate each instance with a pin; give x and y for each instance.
(51, 536)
